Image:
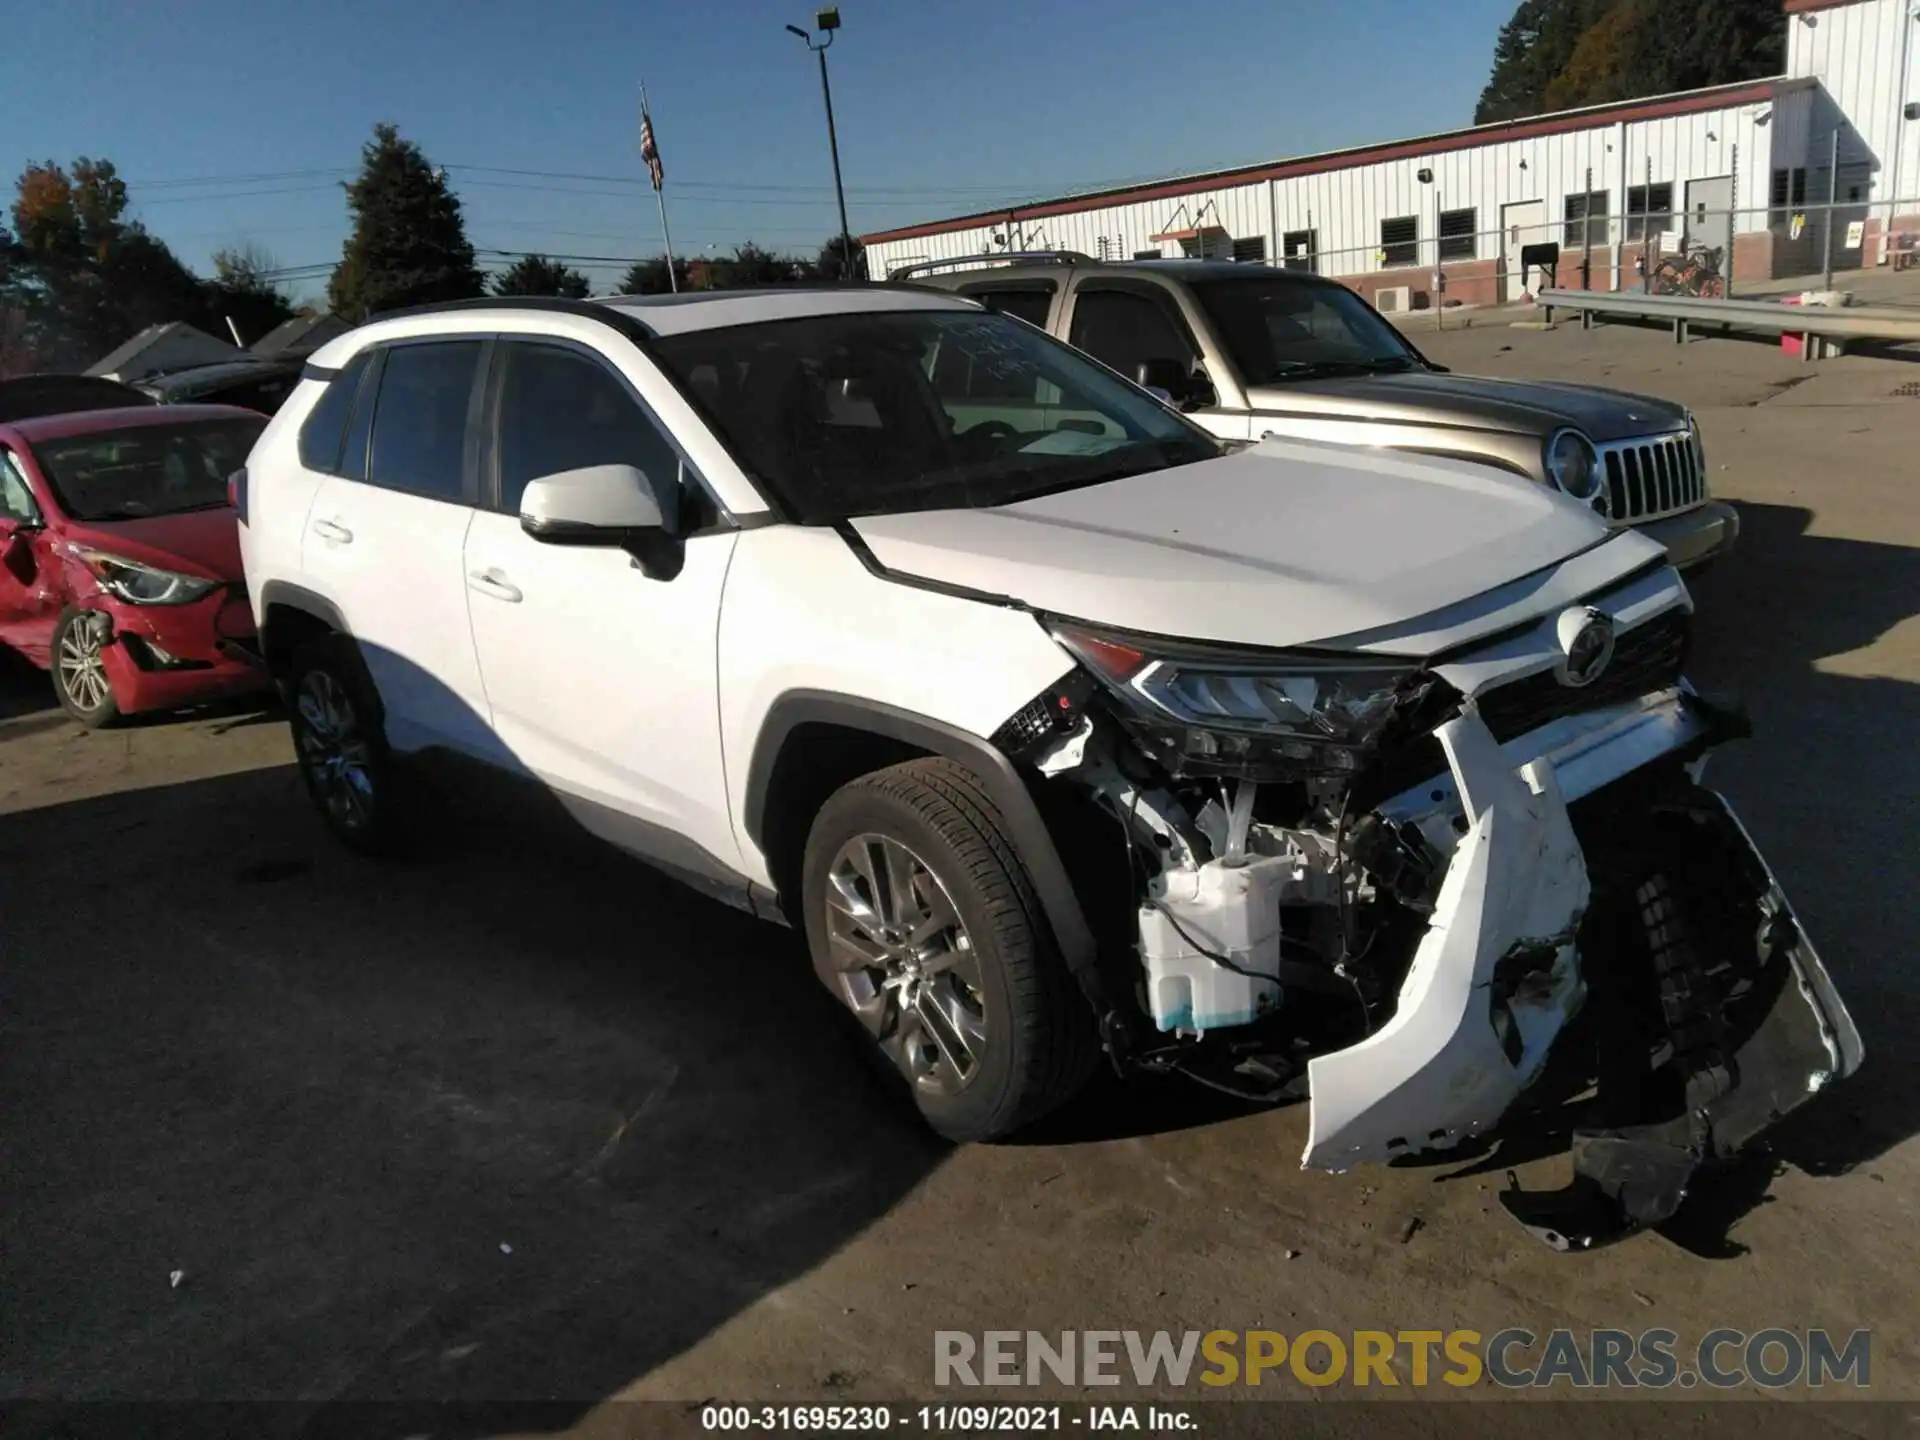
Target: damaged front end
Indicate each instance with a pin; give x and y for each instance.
(1393, 887)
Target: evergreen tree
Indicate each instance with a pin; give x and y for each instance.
(77, 279)
(409, 244)
(1564, 54)
(537, 275)
(649, 277)
(832, 264)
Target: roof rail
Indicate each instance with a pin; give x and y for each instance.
(620, 317)
(1058, 257)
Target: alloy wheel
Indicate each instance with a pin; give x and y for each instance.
(83, 675)
(903, 962)
(334, 750)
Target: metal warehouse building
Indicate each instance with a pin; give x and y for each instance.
(1747, 167)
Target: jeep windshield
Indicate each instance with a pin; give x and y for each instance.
(1277, 329)
(888, 411)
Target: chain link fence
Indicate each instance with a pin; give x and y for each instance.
(1702, 250)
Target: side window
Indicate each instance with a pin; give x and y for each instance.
(1028, 302)
(320, 434)
(1121, 328)
(420, 419)
(353, 454)
(562, 410)
(16, 499)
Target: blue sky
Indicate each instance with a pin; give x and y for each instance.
(942, 107)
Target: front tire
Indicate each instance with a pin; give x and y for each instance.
(80, 680)
(340, 744)
(924, 924)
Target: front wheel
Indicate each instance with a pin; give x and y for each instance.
(80, 681)
(924, 924)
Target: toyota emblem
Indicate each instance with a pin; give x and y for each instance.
(1586, 641)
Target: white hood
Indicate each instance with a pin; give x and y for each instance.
(1287, 543)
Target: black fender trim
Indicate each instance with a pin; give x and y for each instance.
(1025, 827)
(298, 597)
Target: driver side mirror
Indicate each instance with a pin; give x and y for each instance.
(1175, 382)
(612, 506)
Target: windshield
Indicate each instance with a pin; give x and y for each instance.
(1278, 329)
(882, 412)
(146, 470)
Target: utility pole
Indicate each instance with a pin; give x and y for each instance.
(1833, 195)
(1586, 235)
(827, 22)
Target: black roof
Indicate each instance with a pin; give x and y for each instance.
(30, 396)
(303, 333)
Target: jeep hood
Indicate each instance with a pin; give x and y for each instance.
(1286, 543)
(1472, 402)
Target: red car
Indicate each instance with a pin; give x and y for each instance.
(120, 555)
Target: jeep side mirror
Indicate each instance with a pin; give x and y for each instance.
(1177, 382)
(1166, 378)
(616, 506)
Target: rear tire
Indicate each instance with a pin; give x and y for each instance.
(79, 672)
(339, 742)
(924, 924)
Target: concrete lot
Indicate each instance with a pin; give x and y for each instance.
(519, 1120)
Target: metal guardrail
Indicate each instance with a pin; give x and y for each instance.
(1819, 325)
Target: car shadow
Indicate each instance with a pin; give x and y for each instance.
(510, 1117)
(24, 687)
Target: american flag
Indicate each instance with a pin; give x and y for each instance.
(649, 151)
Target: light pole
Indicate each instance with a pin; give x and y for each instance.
(826, 22)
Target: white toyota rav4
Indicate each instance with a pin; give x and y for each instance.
(1059, 727)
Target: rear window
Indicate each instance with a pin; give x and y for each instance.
(320, 434)
(147, 470)
(1029, 303)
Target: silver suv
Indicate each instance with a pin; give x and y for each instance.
(1250, 351)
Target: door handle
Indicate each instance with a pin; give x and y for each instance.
(491, 582)
(334, 531)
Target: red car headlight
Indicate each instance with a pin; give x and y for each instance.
(140, 584)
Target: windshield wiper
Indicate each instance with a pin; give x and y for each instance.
(1316, 369)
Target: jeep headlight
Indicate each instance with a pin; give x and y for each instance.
(1573, 465)
(1206, 710)
(1699, 447)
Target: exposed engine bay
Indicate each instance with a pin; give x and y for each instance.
(1396, 905)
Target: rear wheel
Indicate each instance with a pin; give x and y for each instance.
(339, 743)
(79, 670)
(924, 924)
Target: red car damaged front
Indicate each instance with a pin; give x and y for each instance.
(119, 557)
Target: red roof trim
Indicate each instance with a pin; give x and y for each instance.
(1801, 7)
(1560, 124)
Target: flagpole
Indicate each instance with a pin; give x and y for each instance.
(660, 194)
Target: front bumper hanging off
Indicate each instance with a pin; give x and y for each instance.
(1750, 1019)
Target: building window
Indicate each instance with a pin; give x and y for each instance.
(1457, 238)
(1649, 210)
(1300, 250)
(1400, 241)
(1251, 250)
(1592, 209)
(1789, 192)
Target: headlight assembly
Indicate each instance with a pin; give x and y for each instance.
(1573, 465)
(140, 584)
(1203, 710)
